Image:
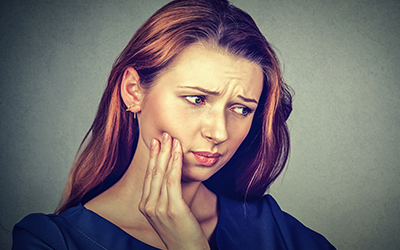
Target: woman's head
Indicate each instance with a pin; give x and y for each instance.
(175, 27)
(206, 98)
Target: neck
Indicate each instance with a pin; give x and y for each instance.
(120, 203)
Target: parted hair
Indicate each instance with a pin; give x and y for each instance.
(108, 148)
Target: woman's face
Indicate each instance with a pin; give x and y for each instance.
(206, 99)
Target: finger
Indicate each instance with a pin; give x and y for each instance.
(164, 194)
(174, 186)
(175, 144)
(159, 169)
(163, 201)
(154, 151)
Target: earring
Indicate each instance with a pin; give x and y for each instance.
(129, 109)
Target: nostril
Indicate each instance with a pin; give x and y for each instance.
(216, 140)
(210, 138)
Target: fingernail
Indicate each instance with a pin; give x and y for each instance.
(153, 144)
(165, 137)
(175, 143)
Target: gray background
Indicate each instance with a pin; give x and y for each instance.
(341, 57)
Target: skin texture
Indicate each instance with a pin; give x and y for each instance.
(204, 101)
(215, 125)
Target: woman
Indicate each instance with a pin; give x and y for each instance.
(189, 134)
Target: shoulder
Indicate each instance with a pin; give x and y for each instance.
(296, 234)
(38, 231)
(47, 231)
(75, 228)
(261, 223)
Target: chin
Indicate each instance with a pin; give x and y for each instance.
(197, 174)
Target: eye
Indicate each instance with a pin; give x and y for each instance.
(244, 111)
(196, 99)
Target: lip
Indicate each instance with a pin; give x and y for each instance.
(206, 158)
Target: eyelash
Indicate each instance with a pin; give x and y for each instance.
(201, 97)
(245, 110)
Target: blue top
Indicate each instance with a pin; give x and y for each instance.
(258, 224)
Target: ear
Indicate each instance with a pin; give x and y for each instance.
(131, 91)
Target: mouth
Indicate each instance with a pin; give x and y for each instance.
(206, 158)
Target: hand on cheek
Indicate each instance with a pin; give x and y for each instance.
(162, 203)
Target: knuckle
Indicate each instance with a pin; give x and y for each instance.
(171, 212)
(160, 211)
(149, 210)
(148, 173)
(158, 170)
(170, 183)
(166, 175)
(141, 207)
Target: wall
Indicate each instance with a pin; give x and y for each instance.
(340, 57)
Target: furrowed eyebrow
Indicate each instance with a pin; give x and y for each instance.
(202, 90)
(206, 91)
(247, 99)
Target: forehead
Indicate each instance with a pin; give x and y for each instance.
(214, 69)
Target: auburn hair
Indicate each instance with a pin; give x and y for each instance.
(108, 148)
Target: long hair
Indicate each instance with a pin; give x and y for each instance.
(109, 146)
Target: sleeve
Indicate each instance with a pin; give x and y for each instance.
(294, 233)
(37, 231)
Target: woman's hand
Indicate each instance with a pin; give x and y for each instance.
(162, 203)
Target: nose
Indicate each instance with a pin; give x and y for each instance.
(215, 127)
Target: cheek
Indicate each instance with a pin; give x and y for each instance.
(163, 115)
(152, 119)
